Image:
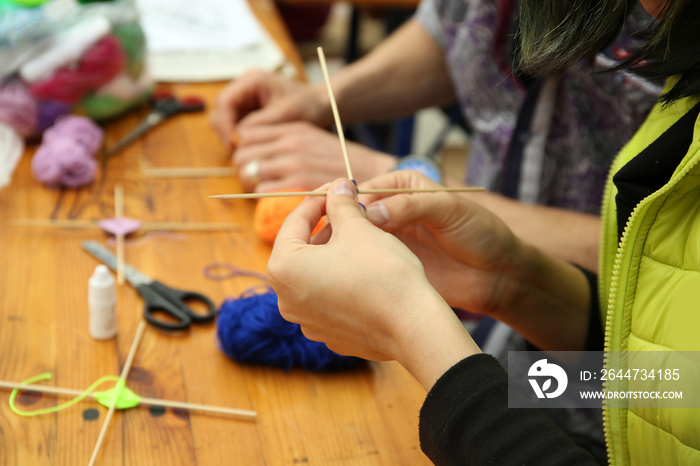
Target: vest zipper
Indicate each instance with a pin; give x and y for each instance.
(614, 285)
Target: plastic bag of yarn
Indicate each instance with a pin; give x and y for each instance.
(86, 58)
(250, 329)
(11, 148)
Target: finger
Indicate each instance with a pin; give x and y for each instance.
(230, 103)
(322, 236)
(246, 154)
(297, 227)
(221, 119)
(287, 172)
(257, 134)
(435, 210)
(264, 175)
(400, 179)
(341, 203)
(268, 115)
(403, 179)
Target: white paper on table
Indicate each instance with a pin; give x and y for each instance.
(211, 40)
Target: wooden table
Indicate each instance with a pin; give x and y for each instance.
(367, 416)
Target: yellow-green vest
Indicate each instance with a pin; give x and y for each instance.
(650, 294)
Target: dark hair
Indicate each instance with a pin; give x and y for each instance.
(556, 33)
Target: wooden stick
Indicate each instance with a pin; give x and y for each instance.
(242, 413)
(334, 107)
(150, 226)
(364, 191)
(48, 223)
(123, 376)
(191, 226)
(188, 172)
(119, 213)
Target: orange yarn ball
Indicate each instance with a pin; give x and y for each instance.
(270, 213)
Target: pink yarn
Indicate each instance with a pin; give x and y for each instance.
(63, 163)
(18, 109)
(98, 65)
(78, 128)
(66, 155)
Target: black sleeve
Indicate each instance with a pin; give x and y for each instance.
(595, 338)
(465, 421)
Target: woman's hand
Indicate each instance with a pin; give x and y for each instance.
(476, 263)
(300, 156)
(468, 253)
(258, 98)
(361, 291)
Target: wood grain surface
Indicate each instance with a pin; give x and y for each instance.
(367, 416)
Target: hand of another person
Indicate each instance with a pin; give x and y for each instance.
(300, 156)
(469, 255)
(361, 291)
(258, 97)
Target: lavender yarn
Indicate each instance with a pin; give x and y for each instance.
(63, 163)
(18, 109)
(66, 155)
(250, 329)
(76, 128)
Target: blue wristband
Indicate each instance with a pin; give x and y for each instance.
(422, 165)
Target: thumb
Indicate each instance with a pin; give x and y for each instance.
(341, 203)
(268, 115)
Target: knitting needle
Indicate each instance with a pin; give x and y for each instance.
(242, 413)
(123, 376)
(119, 213)
(461, 189)
(334, 107)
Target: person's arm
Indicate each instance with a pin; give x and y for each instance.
(566, 234)
(362, 292)
(475, 262)
(404, 73)
(465, 420)
(388, 82)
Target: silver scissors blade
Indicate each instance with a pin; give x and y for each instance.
(149, 122)
(132, 275)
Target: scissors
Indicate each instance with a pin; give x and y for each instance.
(165, 105)
(157, 296)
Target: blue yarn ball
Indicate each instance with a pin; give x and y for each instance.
(250, 329)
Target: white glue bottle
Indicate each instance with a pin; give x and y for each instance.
(101, 299)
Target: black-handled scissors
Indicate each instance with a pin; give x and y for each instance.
(157, 296)
(164, 105)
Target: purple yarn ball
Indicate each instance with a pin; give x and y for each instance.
(63, 163)
(18, 109)
(76, 128)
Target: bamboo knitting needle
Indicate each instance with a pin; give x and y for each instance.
(334, 107)
(462, 189)
(123, 376)
(241, 413)
(119, 213)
